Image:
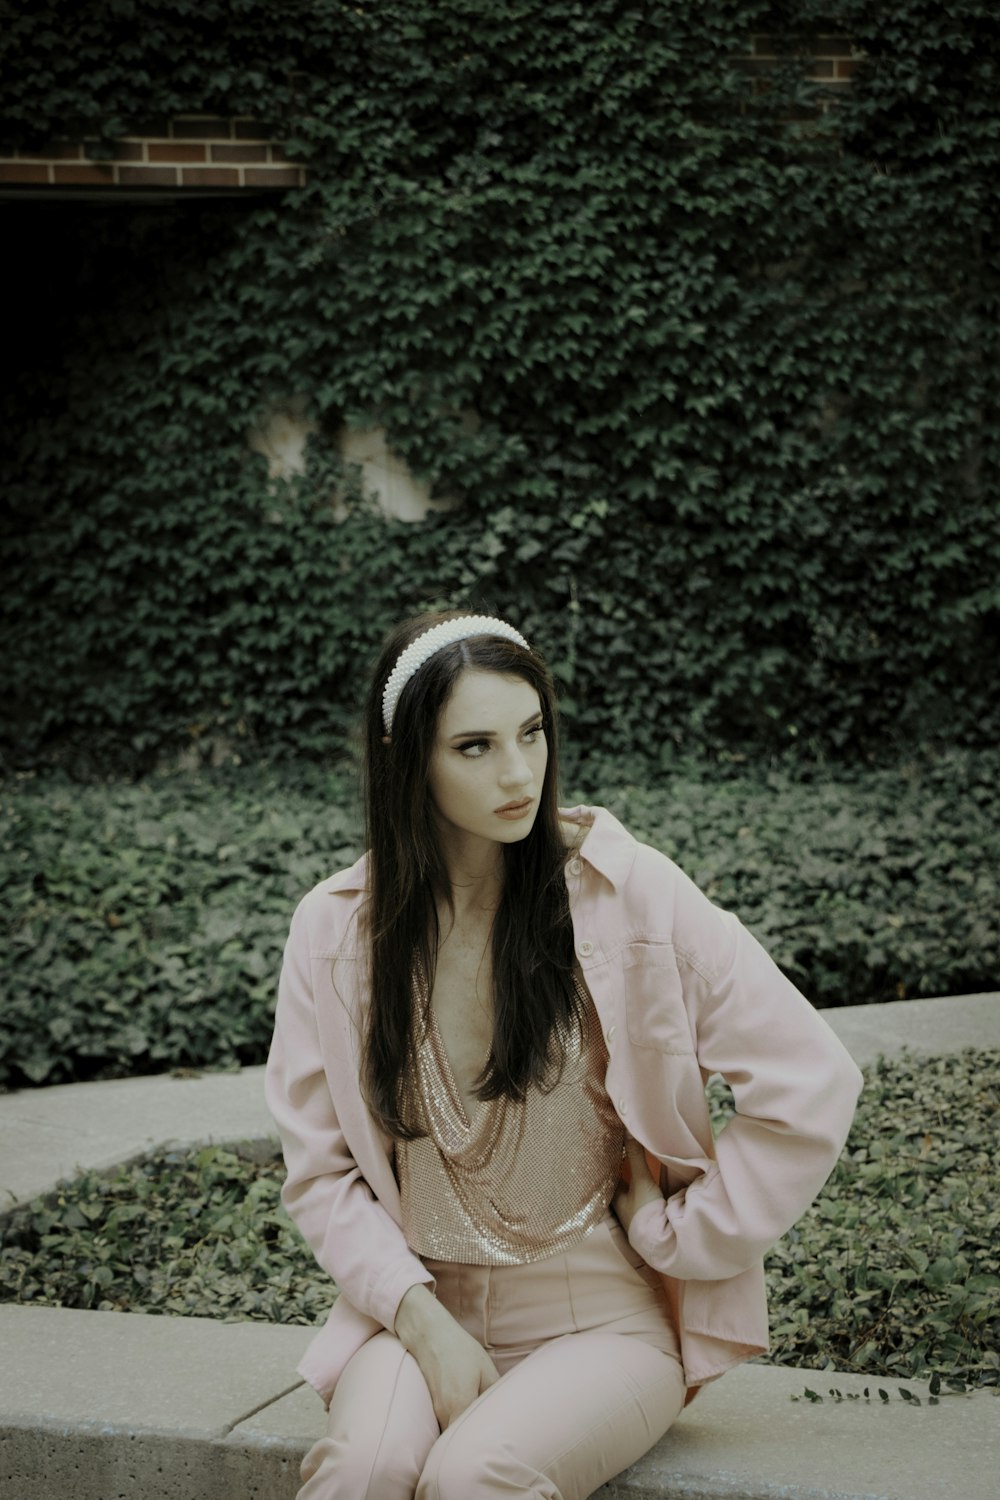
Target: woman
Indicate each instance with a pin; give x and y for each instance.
(488, 1071)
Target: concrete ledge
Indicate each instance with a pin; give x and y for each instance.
(926, 1026)
(125, 1406)
(745, 1439)
(50, 1134)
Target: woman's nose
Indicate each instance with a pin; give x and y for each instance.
(515, 771)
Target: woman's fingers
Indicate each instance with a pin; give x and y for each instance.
(458, 1372)
(641, 1188)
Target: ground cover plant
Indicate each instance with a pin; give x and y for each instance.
(144, 921)
(894, 1271)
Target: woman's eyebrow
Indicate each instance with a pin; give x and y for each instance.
(487, 734)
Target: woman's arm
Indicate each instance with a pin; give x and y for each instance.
(456, 1368)
(350, 1233)
(795, 1089)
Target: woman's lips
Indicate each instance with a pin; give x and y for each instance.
(513, 810)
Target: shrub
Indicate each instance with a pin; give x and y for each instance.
(873, 886)
(145, 921)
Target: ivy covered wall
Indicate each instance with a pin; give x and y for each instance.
(711, 369)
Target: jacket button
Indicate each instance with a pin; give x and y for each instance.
(575, 867)
(586, 948)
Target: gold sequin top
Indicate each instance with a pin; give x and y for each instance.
(517, 1182)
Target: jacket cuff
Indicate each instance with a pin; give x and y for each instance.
(652, 1236)
(390, 1289)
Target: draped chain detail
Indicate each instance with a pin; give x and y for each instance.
(518, 1181)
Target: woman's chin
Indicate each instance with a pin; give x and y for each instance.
(512, 830)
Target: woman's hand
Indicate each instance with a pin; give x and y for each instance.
(456, 1368)
(639, 1191)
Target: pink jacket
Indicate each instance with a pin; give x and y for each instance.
(682, 991)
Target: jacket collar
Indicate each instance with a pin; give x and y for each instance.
(354, 879)
(606, 846)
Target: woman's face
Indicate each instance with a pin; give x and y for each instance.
(489, 757)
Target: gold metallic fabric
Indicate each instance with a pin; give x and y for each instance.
(519, 1181)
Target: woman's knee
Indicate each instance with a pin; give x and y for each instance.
(339, 1469)
(459, 1468)
(381, 1428)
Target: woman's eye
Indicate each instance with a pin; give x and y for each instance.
(475, 749)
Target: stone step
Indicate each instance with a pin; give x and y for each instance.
(127, 1406)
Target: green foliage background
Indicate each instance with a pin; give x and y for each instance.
(143, 923)
(712, 372)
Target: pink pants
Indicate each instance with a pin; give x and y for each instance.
(590, 1379)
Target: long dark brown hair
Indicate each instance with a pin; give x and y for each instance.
(534, 997)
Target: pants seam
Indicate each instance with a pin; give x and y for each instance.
(569, 1294)
(487, 1309)
(385, 1428)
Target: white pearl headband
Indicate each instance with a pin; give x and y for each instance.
(434, 640)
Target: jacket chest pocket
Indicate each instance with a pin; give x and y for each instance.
(654, 999)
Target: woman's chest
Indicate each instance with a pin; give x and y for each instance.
(463, 1012)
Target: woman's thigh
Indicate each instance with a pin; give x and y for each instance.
(380, 1430)
(561, 1423)
(590, 1379)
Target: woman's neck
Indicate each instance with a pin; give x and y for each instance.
(475, 876)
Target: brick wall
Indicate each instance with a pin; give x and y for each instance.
(203, 151)
(195, 151)
(834, 59)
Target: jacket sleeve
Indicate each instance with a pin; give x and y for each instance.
(795, 1089)
(349, 1231)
